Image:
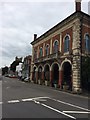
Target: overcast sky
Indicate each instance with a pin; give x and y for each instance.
(20, 19)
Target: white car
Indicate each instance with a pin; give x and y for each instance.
(27, 79)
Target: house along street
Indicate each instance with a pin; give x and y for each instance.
(28, 100)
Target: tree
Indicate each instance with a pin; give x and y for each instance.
(15, 63)
(4, 70)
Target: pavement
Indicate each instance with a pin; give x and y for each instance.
(83, 94)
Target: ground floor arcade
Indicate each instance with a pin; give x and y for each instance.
(54, 74)
(65, 75)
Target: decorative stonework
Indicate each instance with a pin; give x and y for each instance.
(76, 58)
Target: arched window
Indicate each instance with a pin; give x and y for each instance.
(47, 49)
(87, 42)
(56, 45)
(35, 54)
(41, 52)
(66, 44)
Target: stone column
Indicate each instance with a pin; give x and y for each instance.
(43, 49)
(60, 41)
(51, 46)
(76, 69)
(38, 52)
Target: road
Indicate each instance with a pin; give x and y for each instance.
(29, 100)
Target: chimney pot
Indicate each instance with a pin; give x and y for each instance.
(35, 36)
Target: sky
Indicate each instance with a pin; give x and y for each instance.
(21, 19)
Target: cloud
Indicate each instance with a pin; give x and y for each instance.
(20, 19)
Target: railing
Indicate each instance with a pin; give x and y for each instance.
(48, 57)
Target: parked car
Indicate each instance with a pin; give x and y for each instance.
(27, 79)
(22, 78)
(12, 76)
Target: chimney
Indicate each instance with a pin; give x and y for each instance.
(35, 36)
(78, 5)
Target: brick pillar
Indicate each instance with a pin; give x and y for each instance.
(60, 77)
(42, 76)
(51, 76)
(36, 76)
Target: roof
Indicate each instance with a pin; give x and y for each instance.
(78, 14)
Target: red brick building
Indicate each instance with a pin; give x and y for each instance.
(56, 54)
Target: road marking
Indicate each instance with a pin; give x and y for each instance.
(31, 99)
(13, 101)
(42, 100)
(1, 103)
(82, 112)
(70, 104)
(58, 111)
(37, 102)
(24, 100)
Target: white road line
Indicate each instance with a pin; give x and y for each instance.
(82, 112)
(1, 103)
(70, 104)
(36, 102)
(31, 99)
(58, 111)
(24, 100)
(13, 101)
(39, 98)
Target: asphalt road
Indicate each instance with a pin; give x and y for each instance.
(28, 100)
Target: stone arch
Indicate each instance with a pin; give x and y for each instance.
(66, 36)
(40, 71)
(55, 46)
(55, 63)
(55, 73)
(41, 66)
(66, 68)
(47, 49)
(66, 60)
(47, 72)
(46, 65)
(66, 41)
(87, 42)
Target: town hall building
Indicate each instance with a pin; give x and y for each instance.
(57, 54)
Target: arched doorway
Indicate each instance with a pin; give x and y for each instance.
(47, 73)
(67, 75)
(55, 72)
(40, 73)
